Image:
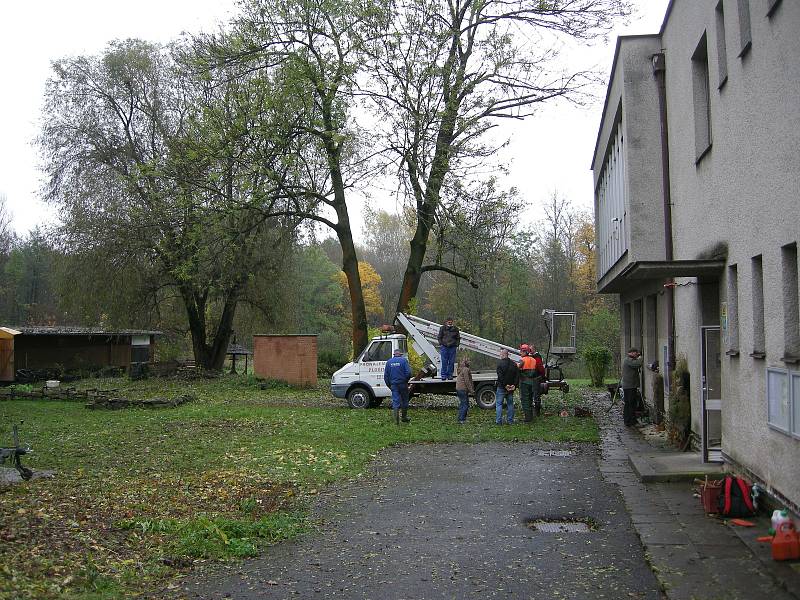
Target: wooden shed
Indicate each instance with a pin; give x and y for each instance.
(35, 348)
(289, 358)
(7, 353)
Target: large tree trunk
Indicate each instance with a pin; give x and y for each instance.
(209, 356)
(345, 235)
(350, 269)
(426, 210)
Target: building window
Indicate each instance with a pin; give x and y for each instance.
(795, 385)
(757, 268)
(791, 307)
(745, 37)
(637, 331)
(702, 99)
(651, 339)
(779, 399)
(610, 203)
(771, 6)
(626, 326)
(732, 318)
(722, 52)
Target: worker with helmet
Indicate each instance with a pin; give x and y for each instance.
(527, 374)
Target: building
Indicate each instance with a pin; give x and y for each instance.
(67, 349)
(697, 195)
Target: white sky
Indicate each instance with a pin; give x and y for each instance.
(550, 151)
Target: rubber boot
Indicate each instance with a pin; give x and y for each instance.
(528, 416)
(396, 414)
(405, 418)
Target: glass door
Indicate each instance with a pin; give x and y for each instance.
(711, 394)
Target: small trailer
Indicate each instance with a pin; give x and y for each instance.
(361, 381)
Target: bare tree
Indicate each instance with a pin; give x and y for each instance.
(319, 47)
(448, 70)
(6, 233)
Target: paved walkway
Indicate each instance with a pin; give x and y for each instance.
(694, 556)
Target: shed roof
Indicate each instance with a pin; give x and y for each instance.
(56, 330)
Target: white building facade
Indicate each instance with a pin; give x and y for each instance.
(697, 214)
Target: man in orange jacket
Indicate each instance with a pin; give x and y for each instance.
(530, 376)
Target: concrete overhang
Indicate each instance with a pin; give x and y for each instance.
(664, 269)
(661, 270)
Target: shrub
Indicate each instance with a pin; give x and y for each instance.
(328, 362)
(680, 410)
(598, 360)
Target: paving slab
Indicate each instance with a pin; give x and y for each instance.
(672, 466)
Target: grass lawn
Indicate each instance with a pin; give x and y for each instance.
(141, 494)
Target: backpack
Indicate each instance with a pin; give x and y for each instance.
(734, 499)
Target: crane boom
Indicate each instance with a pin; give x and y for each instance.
(425, 337)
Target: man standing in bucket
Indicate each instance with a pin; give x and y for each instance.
(396, 375)
(449, 340)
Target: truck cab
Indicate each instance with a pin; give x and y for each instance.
(361, 381)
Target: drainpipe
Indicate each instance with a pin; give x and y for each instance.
(659, 72)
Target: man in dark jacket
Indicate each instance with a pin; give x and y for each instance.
(396, 374)
(449, 340)
(631, 365)
(507, 382)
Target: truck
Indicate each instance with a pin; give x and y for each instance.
(361, 383)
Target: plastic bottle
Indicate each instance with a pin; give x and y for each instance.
(778, 517)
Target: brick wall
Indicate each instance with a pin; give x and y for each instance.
(289, 358)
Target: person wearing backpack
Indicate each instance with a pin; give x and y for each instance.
(631, 365)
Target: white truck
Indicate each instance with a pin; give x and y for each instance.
(361, 381)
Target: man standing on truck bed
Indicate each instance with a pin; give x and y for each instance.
(507, 382)
(396, 375)
(449, 340)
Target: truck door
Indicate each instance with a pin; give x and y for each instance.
(373, 362)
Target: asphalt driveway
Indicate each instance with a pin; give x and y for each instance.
(450, 521)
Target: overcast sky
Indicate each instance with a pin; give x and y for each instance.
(548, 152)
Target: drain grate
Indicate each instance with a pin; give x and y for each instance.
(560, 526)
(555, 453)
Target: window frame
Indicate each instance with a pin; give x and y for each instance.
(788, 384)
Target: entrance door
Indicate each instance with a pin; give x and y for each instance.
(711, 394)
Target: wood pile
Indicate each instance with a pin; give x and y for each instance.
(95, 398)
(112, 403)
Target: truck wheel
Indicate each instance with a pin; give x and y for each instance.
(359, 397)
(484, 397)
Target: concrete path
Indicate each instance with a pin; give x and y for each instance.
(449, 521)
(694, 556)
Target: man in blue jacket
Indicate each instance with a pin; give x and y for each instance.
(396, 376)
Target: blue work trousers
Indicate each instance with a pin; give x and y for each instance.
(448, 361)
(463, 405)
(399, 395)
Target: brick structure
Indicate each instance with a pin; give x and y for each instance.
(289, 358)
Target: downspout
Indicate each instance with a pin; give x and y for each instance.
(659, 71)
